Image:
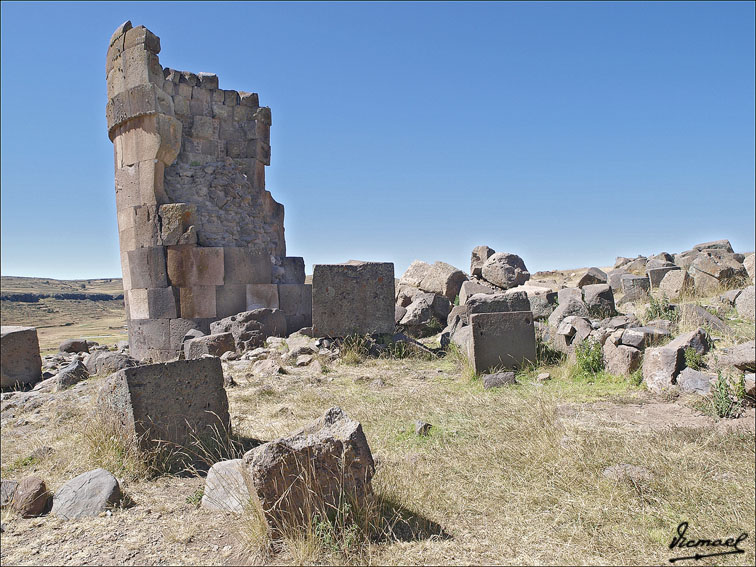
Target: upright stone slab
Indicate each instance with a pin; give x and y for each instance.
(20, 362)
(502, 340)
(355, 298)
(172, 402)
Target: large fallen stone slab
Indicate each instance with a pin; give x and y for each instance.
(593, 276)
(502, 340)
(693, 381)
(470, 288)
(213, 345)
(621, 360)
(572, 306)
(317, 469)
(86, 495)
(20, 362)
(745, 305)
(697, 315)
(660, 368)
(443, 279)
(741, 356)
(356, 298)
(497, 303)
(697, 339)
(676, 283)
(171, 403)
(599, 299)
(226, 487)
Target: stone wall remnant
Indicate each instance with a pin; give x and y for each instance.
(199, 233)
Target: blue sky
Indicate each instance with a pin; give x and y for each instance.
(567, 133)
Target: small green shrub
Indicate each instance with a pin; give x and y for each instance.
(456, 300)
(661, 309)
(693, 359)
(589, 359)
(195, 498)
(636, 378)
(354, 349)
(727, 402)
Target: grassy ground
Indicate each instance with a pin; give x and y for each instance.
(506, 476)
(59, 319)
(510, 476)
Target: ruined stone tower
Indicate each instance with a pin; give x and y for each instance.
(200, 237)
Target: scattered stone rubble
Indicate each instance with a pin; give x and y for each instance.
(207, 279)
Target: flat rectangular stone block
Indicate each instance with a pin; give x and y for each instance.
(293, 270)
(173, 403)
(266, 296)
(190, 266)
(178, 328)
(20, 362)
(147, 267)
(198, 302)
(146, 226)
(244, 266)
(295, 300)
(352, 299)
(656, 275)
(146, 335)
(502, 340)
(230, 299)
(153, 303)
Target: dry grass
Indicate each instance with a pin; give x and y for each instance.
(505, 476)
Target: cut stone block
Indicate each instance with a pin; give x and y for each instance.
(198, 302)
(153, 303)
(660, 368)
(261, 296)
(295, 300)
(173, 402)
(20, 362)
(502, 340)
(214, 345)
(656, 275)
(634, 284)
(244, 266)
(230, 299)
(497, 303)
(147, 267)
(352, 299)
(675, 283)
(146, 335)
(195, 266)
(293, 271)
(470, 288)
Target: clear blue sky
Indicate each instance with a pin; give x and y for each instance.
(568, 133)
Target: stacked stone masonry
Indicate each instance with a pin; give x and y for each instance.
(200, 237)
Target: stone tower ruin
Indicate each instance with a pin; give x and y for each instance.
(200, 237)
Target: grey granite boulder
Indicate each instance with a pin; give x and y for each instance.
(86, 495)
